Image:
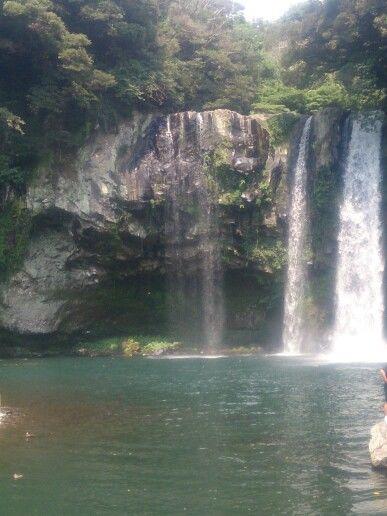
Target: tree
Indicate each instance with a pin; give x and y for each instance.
(343, 38)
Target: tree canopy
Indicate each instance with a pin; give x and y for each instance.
(333, 52)
(70, 66)
(67, 66)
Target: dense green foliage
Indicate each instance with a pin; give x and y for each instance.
(329, 53)
(276, 97)
(346, 37)
(280, 127)
(68, 66)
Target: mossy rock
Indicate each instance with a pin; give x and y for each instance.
(160, 348)
(281, 126)
(99, 348)
(15, 227)
(130, 348)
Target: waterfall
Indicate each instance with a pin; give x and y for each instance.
(178, 286)
(211, 268)
(358, 332)
(296, 273)
(194, 277)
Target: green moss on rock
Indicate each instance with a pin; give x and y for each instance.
(280, 127)
(129, 347)
(270, 254)
(324, 202)
(15, 226)
(159, 347)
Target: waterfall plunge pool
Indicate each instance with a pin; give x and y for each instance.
(260, 435)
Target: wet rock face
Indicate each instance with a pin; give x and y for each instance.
(130, 168)
(103, 215)
(330, 135)
(326, 158)
(378, 446)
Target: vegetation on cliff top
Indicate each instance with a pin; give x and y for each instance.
(69, 66)
(328, 53)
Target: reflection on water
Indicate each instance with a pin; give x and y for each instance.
(232, 436)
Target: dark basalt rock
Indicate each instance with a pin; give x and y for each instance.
(101, 218)
(99, 247)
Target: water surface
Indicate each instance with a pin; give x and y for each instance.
(217, 437)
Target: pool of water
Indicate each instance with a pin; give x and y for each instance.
(202, 437)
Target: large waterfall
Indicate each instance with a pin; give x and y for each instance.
(296, 274)
(358, 333)
(194, 276)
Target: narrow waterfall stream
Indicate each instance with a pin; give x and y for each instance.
(358, 333)
(178, 287)
(211, 267)
(296, 274)
(195, 284)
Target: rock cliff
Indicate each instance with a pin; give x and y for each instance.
(330, 134)
(98, 231)
(99, 243)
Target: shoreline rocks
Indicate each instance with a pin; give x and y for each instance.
(378, 446)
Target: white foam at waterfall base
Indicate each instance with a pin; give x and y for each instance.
(358, 332)
(296, 273)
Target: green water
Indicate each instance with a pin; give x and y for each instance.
(202, 437)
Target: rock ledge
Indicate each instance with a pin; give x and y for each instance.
(378, 445)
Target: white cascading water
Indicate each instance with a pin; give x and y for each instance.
(358, 333)
(211, 268)
(296, 274)
(192, 292)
